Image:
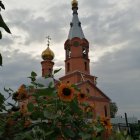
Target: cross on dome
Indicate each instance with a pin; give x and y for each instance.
(48, 40)
(48, 54)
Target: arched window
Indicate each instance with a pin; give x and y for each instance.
(68, 67)
(50, 70)
(43, 71)
(68, 53)
(85, 54)
(105, 111)
(85, 65)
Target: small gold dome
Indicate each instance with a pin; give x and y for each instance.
(47, 54)
(74, 2)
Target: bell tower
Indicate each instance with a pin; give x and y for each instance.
(77, 68)
(76, 46)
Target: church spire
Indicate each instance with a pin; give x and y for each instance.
(76, 46)
(75, 29)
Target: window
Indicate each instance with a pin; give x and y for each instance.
(105, 111)
(68, 53)
(50, 70)
(43, 71)
(85, 65)
(68, 67)
(85, 55)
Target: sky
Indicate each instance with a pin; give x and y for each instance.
(112, 28)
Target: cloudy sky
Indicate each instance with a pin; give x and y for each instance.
(111, 26)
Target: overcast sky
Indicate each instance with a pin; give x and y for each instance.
(112, 28)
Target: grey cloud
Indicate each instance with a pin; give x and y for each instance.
(36, 27)
(119, 77)
(105, 28)
(5, 41)
(17, 67)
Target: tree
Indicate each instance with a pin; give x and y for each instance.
(4, 26)
(113, 109)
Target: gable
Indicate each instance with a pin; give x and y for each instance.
(94, 91)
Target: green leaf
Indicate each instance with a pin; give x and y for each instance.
(30, 107)
(85, 136)
(3, 25)
(34, 115)
(75, 107)
(16, 114)
(1, 5)
(56, 71)
(51, 85)
(32, 78)
(47, 92)
(49, 133)
(1, 98)
(33, 74)
(0, 35)
(6, 90)
(40, 85)
(0, 60)
(68, 132)
(75, 87)
(24, 136)
(50, 115)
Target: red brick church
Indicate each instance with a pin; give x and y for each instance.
(77, 65)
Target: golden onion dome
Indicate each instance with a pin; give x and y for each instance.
(74, 2)
(47, 54)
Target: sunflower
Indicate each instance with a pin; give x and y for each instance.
(22, 93)
(66, 92)
(81, 97)
(22, 89)
(23, 110)
(106, 123)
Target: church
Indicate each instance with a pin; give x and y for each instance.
(77, 65)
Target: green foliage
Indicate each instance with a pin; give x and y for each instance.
(56, 71)
(2, 23)
(2, 99)
(120, 136)
(46, 115)
(4, 26)
(1, 5)
(135, 131)
(30, 107)
(113, 109)
(0, 58)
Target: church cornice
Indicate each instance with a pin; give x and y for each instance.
(76, 72)
(82, 42)
(76, 58)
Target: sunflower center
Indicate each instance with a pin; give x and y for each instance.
(82, 95)
(105, 122)
(66, 91)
